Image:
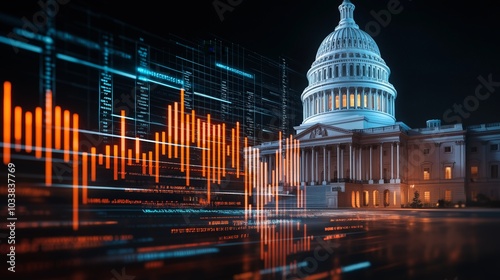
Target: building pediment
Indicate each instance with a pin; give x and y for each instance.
(318, 131)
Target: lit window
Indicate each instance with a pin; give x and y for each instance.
(344, 100)
(351, 100)
(447, 172)
(427, 197)
(474, 172)
(375, 198)
(494, 171)
(447, 149)
(427, 173)
(359, 100)
(447, 195)
(366, 101)
(366, 198)
(337, 101)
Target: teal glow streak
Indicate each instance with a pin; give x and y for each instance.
(31, 35)
(356, 266)
(161, 76)
(236, 71)
(21, 45)
(141, 78)
(211, 97)
(282, 268)
(90, 64)
(176, 254)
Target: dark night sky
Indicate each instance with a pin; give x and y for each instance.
(436, 50)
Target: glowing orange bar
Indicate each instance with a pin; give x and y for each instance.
(84, 177)
(233, 144)
(7, 111)
(176, 132)
(129, 157)
(137, 150)
(223, 147)
(101, 159)
(163, 142)
(203, 151)
(245, 180)
(38, 132)
(157, 157)
(122, 142)
(193, 118)
(57, 127)
(237, 149)
(66, 124)
(29, 131)
(280, 157)
(75, 171)
(92, 164)
(143, 163)
(150, 153)
(18, 127)
(182, 130)
(169, 131)
(108, 152)
(187, 149)
(209, 138)
(198, 128)
(218, 153)
(214, 152)
(115, 162)
(48, 138)
(285, 162)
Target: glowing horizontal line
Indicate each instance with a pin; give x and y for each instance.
(153, 81)
(356, 266)
(282, 268)
(18, 44)
(90, 64)
(211, 97)
(176, 254)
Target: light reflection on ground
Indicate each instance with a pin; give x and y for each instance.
(133, 243)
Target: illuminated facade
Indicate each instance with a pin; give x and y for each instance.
(353, 153)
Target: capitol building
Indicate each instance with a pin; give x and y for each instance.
(353, 151)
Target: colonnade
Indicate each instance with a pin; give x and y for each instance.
(346, 162)
(345, 98)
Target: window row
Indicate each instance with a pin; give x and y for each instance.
(492, 147)
(341, 99)
(348, 70)
(474, 171)
(447, 172)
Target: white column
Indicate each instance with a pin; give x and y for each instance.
(324, 165)
(338, 162)
(381, 180)
(360, 163)
(302, 170)
(306, 167)
(350, 161)
(342, 163)
(329, 166)
(312, 166)
(392, 163)
(370, 181)
(398, 180)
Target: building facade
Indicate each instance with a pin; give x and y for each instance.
(353, 152)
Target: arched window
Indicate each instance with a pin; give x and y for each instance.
(386, 198)
(375, 198)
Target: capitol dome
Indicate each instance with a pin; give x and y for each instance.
(348, 81)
